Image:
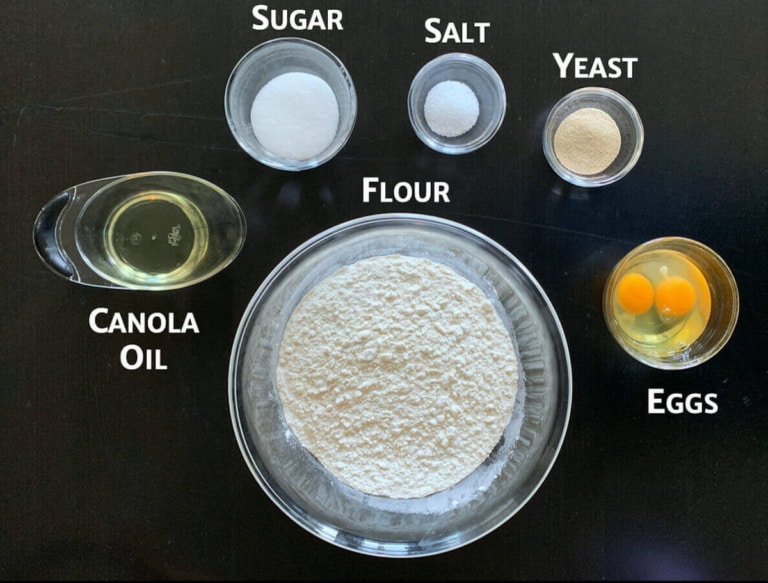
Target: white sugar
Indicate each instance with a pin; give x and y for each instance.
(295, 116)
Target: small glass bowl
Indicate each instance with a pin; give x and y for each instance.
(269, 60)
(724, 310)
(623, 113)
(484, 82)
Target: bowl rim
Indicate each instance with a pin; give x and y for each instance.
(280, 163)
(295, 512)
(580, 179)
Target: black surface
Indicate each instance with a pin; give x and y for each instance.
(108, 473)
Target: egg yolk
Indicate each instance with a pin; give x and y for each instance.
(675, 297)
(634, 292)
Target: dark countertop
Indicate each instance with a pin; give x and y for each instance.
(112, 474)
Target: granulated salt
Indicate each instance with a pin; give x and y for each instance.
(587, 141)
(451, 109)
(295, 116)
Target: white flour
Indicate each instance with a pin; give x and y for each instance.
(398, 375)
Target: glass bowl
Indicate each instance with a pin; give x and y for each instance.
(269, 60)
(623, 113)
(484, 82)
(151, 231)
(311, 496)
(723, 304)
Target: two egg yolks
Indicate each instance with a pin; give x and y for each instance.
(674, 296)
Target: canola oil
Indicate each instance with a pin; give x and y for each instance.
(156, 236)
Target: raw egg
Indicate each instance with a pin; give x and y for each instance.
(675, 297)
(634, 293)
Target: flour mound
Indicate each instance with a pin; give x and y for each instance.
(398, 375)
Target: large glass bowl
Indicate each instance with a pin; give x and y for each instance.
(300, 486)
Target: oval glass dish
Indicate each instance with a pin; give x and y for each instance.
(310, 495)
(151, 231)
